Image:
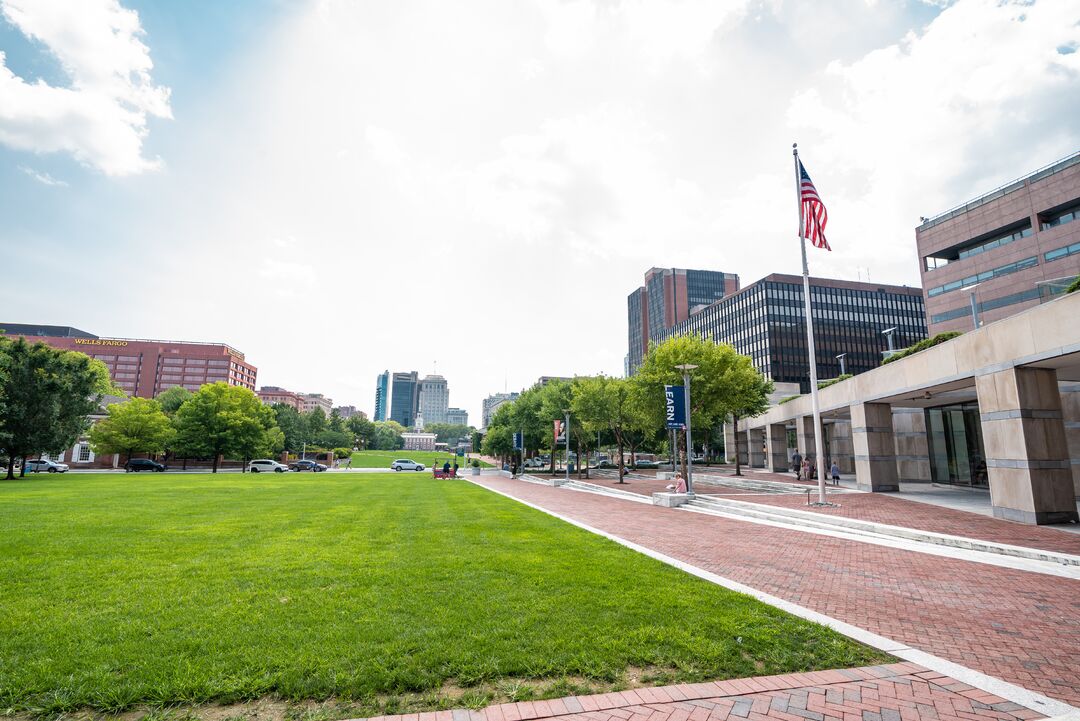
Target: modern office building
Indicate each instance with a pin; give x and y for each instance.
(670, 296)
(544, 380)
(404, 398)
(270, 395)
(457, 417)
(311, 401)
(1003, 252)
(145, 368)
(766, 321)
(434, 399)
(491, 403)
(382, 395)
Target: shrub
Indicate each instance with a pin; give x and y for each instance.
(342, 453)
(1074, 286)
(821, 384)
(475, 463)
(923, 345)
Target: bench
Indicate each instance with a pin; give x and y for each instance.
(440, 473)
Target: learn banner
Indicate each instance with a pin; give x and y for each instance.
(675, 410)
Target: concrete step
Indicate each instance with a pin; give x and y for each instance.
(856, 526)
(576, 485)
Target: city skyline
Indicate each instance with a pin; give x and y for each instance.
(514, 148)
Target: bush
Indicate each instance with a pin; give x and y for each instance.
(475, 463)
(1074, 286)
(342, 453)
(821, 384)
(923, 345)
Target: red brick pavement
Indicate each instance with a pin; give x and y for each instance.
(897, 692)
(897, 511)
(1020, 626)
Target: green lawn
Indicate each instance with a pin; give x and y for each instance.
(380, 590)
(383, 459)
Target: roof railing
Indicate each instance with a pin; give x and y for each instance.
(1044, 172)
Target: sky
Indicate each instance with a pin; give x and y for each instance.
(338, 188)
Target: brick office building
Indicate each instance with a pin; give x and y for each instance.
(145, 368)
(1005, 251)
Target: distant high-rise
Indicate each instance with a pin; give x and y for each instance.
(404, 398)
(670, 296)
(457, 417)
(434, 399)
(382, 395)
(494, 401)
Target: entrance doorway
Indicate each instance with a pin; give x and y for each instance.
(954, 436)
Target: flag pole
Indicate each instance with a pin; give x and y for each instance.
(812, 354)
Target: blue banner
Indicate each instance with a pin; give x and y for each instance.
(675, 411)
(518, 442)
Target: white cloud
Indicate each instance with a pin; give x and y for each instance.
(43, 178)
(101, 118)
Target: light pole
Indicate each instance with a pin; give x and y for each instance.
(566, 430)
(686, 368)
(974, 305)
(841, 358)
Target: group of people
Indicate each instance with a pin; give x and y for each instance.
(446, 468)
(805, 469)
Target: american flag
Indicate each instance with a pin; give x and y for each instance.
(813, 211)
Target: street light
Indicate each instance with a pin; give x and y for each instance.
(974, 305)
(686, 368)
(566, 430)
(841, 358)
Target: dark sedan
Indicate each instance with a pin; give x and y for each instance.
(306, 466)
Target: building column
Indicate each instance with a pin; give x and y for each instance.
(842, 450)
(729, 441)
(804, 436)
(1070, 414)
(1027, 455)
(875, 447)
(756, 447)
(776, 440)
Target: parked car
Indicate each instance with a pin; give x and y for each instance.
(404, 464)
(535, 462)
(144, 464)
(306, 465)
(647, 464)
(605, 463)
(39, 465)
(265, 465)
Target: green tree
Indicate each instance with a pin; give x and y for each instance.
(447, 432)
(556, 398)
(222, 420)
(171, 399)
(314, 422)
(747, 396)
(363, 430)
(47, 395)
(712, 382)
(388, 436)
(293, 428)
(134, 426)
(336, 423)
(611, 404)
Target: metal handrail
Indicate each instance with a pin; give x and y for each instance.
(1047, 170)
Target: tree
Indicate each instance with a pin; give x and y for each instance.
(388, 436)
(748, 396)
(712, 382)
(363, 431)
(293, 428)
(222, 420)
(556, 398)
(447, 432)
(171, 399)
(135, 426)
(315, 422)
(47, 395)
(611, 404)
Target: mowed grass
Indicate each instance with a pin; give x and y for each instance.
(159, 589)
(383, 459)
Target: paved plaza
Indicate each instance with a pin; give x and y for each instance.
(1020, 626)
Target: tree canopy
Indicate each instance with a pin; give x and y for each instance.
(223, 420)
(135, 426)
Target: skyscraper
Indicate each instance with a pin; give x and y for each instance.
(382, 395)
(434, 399)
(670, 296)
(404, 398)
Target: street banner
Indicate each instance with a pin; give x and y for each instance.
(518, 445)
(559, 437)
(675, 410)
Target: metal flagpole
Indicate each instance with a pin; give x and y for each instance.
(818, 440)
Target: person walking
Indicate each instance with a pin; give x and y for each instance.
(796, 463)
(804, 470)
(835, 473)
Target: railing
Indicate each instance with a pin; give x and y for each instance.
(1044, 172)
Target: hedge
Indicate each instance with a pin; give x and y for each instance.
(923, 345)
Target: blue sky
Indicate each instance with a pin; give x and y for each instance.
(410, 182)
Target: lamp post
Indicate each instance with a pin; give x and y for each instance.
(566, 430)
(686, 368)
(841, 358)
(974, 305)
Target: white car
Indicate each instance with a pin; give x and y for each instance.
(37, 466)
(404, 464)
(265, 465)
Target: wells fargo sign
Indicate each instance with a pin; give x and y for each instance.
(99, 341)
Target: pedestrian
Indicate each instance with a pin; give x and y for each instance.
(679, 486)
(796, 463)
(835, 471)
(455, 468)
(348, 463)
(446, 468)
(804, 470)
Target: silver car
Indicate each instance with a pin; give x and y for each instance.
(37, 466)
(404, 464)
(265, 465)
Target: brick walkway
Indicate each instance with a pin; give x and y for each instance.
(897, 692)
(1018, 626)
